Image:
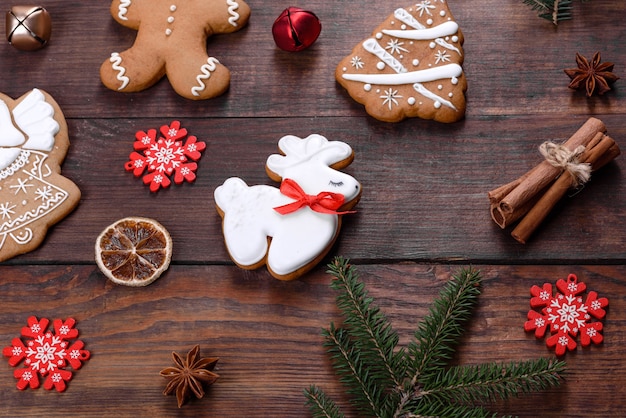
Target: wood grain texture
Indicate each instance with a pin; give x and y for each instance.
(424, 212)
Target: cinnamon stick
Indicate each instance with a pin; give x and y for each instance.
(601, 150)
(513, 200)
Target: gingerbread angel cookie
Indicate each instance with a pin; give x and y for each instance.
(171, 41)
(291, 228)
(33, 194)
(410, 66)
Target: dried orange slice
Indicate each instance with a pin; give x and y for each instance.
(134, 251)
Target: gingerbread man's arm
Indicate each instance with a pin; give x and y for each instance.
(127, 12)
(224, 16)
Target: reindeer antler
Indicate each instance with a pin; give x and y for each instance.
(314, 147)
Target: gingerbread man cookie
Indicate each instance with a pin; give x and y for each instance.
(171, 40)
(291, 228)
(33, 194)
(410, 66)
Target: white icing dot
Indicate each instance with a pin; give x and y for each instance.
(442, 13)
(403, 27)
(377, 90)
(416, 62)
(437, 105)
(173, 8)
(411, 101)
(455, 38)
(393, 22)
(429, 22)
(24, 202)
(400, 56)
(345, 69)
(380, 65)
(168, 32)
(379, 35)
(440, 87)
(411, 43)
(450, 94)
(170, 19)
(432, 45)
(421, 103)
(367, 87)
(454, 80)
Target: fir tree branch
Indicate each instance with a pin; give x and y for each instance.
(353, 371)
(438, 332)
(320, 405)
(490, 382)
(369, 328)
(552, 10)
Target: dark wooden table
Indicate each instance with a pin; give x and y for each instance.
(423, 214)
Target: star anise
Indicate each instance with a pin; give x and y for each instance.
(189, 374)
(592, 75)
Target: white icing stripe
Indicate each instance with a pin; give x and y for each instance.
(116, 60)
(429, 94)
(205, 73)
(445, 29)
(373, 47)
(123, 9)
(420, 76)
(447, 45)
(234, 16)
(406, 17)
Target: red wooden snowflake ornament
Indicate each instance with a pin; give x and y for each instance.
(165, 156)
(566, 314)
(46, 354)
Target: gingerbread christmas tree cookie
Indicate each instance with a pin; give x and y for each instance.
(410, 66)
(33, 193)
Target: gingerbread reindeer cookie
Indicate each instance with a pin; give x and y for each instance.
(33, 194)
(410, 66)
(291, 228)
(171, 41)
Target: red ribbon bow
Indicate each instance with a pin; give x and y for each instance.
(323, 202)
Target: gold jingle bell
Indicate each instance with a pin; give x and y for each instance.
(28, 27)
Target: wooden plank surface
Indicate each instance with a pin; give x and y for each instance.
(423, 213)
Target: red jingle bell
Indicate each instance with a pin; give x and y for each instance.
(296, 29)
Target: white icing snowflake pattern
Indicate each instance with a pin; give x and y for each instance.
(6, 210)
(441, 56)
(22, 185)
(357, 62)
(395, 46)
(390, 97)
(424, 6)
(44, 193)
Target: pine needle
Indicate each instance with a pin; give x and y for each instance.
(552, 10)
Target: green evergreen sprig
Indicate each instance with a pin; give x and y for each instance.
(388, 381)
(552, 10)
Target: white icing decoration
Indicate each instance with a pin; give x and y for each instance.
(357, 63)
(371, 46)
(205, 73)
(379, 35)
(442, 13)
(367, 87)
(168, 32)
(419, 76)
(432, 45)
(454, 80)
(406, 17)
(440, 87)
(123, 9)
(429, 22)
(447, 45)
(380, 65)
(170, 19)
(429, 94)
(173, 8)
(116, 61)
(411, 101)
(455, 39)
(299, 237)
(424, 6)
(416, 62)
(35, 117)
(11, 137)
(439, 31)
(234, 16)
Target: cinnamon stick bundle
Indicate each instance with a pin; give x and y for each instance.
(532, 196)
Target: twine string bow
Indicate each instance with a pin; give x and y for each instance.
(323, 202)
(561, 157)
